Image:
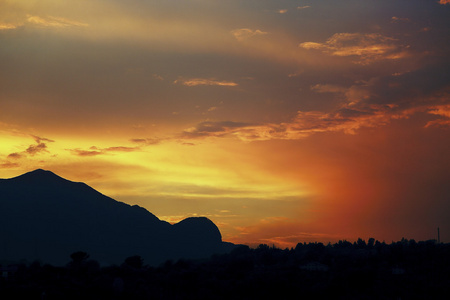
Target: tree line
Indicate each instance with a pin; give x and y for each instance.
(360, 270)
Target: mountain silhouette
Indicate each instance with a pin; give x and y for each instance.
(46, 217)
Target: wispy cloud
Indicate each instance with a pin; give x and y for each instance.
(246, 33)
(444, 1)
(87, 153)
(398, 19)
(40, 21)
(9, 165)
(347, 119)
(95, 151)
(328, 88)
(50, 21)
(205, 81)
(214, 129)
(35, 149)
(41, 146)
(303, 7)
(6, 26)
(38, 148)
(147, 141)
(443, 111)
(366, 47)
(15, 155)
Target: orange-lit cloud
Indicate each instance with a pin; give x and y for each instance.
(204, 81)
(368, 47)
(444, 1)
(441, 111)
(346, 119)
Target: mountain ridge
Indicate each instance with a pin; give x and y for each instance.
(55, 217)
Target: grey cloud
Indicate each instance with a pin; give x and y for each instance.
(15, 155)
(86, 153)
(210, 129)
(32, 150)
(8, 165)
(147, 141)
(41, 146)
(121, 149)
(35, 149)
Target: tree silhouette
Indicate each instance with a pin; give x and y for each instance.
(135, 261)
(78, 258)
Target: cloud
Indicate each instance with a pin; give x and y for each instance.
(51, 21)
(246, 33)
(94, 151)
(41, 146)
(44, 22)
(306, 123)
(441, 111)
(214, 129)
(204, 81)
(444, 1)
(120, 149)
(32, 150)
(303, 7)
(15, 155)
(282, 11)
(397, 19)
(80, 152)
(147, 141)
(347, 119)
(39, 139)
(9, 165)
(328, 88)
(6, 26)
(366, 47)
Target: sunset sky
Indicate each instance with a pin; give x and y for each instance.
(283, 121)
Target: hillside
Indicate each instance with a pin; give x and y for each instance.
(47, 217)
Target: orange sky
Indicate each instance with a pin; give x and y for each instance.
(281, 121)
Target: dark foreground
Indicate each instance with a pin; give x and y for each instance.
(372, 270)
